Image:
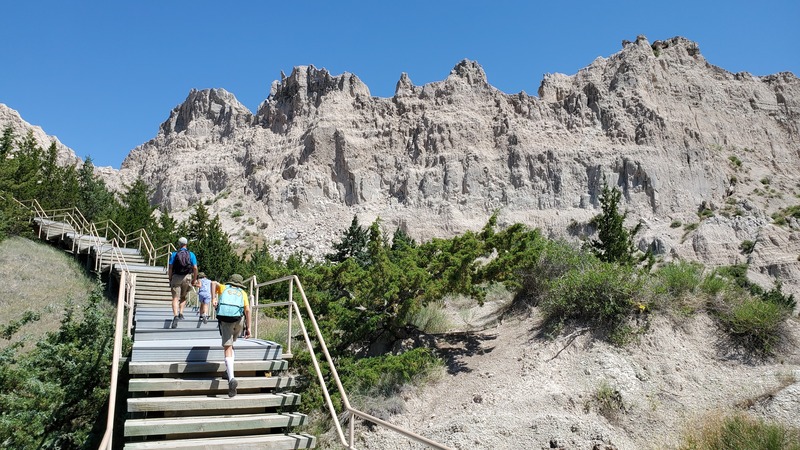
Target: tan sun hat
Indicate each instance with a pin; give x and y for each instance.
(237, 280)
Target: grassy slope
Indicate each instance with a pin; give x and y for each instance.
(37, 277)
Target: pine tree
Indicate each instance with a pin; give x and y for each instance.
(353, 245)
(401, 240)
(23, 170)
(196, 227)
(95, 201)
(136, 212)
(6, 143)
(215, 253)
(614, 242)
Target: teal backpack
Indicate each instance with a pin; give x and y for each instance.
(230, 307)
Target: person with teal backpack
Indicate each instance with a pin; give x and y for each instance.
(233, 316)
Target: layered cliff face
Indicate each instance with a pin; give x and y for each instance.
(20, 128)
(675, 133)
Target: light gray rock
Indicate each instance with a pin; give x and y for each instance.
(675, 133)
(10, 118)
(658, 121)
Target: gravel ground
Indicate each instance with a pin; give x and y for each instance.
(505, 388)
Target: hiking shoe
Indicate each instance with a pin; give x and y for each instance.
(232, 385)
(175, 322)
(205, 318)
(180, 316)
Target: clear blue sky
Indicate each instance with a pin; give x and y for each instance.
(102, 76)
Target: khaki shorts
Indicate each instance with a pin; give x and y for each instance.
(180, 285)
(230, 331)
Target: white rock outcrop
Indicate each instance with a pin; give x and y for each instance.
(10, 118)
(676, 134)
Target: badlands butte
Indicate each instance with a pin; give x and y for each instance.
(704, 157)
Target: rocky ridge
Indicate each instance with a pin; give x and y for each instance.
(10, 118)
(678, 135)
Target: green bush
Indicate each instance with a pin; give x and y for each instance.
(675, 224)
(714, 283)
(53, 395)
(601, 294)
(740, 432)
(385, 374)
(679, 279)
(555, 259)
(747, 246)
(753, 324)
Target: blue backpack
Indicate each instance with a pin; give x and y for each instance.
(230, 306)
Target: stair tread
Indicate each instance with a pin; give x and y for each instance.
(211, 424)
(206, 383)
(158, 367)
(267, 442)
(212, 402)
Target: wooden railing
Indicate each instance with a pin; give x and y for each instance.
(351, 413)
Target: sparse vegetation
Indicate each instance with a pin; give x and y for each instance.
(740, 432)
(780, 216)
(705, 213)
(735, 161)
(431, 319)
(675, 224)
(747, 246)
(608, 402)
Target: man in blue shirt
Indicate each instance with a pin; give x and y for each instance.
(182, 274)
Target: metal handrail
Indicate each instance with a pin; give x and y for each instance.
(127, 287)
(109, 224)
(144, 241)
(169, 249)
(125, 299)
(352, 412)
(125, 296)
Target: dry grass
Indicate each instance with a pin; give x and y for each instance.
(738, 431)
(37, 277)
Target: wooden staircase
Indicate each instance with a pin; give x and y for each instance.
(178, 390)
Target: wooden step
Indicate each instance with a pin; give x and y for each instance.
(143, 282)
(202, 350)
(147, 269)
(148, 302)
(144, 296)
(186, 403)
(182, 332)
(220, 384)
(264, 442)
(158, 322)
(249, 423)
(172, 368)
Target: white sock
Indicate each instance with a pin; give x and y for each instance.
(229, 366)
